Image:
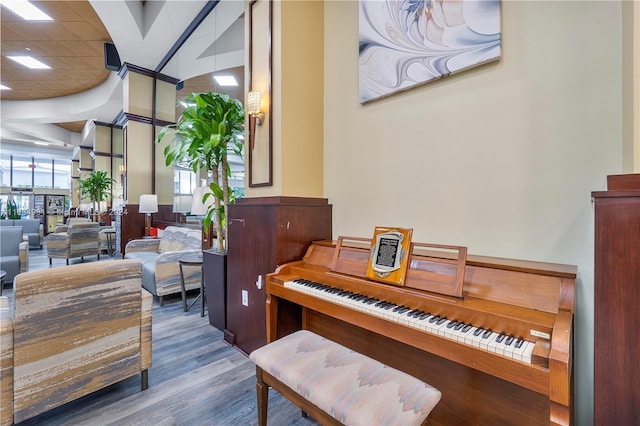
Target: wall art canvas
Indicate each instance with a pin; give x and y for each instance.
(404, 43)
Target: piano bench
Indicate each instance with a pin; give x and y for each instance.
(336, 385)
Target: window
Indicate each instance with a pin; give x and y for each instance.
(62, 174)
(42, 173)
(5, 169)
(22, 172)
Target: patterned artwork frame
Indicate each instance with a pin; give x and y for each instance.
(406, 43)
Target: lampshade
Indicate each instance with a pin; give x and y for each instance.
(197, 206)
(148, 203)
(182, 203)
(253, 103)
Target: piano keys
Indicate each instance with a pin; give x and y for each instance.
(456, 330)
(494, 335)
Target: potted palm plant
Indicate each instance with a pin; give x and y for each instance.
(96, 187)
(203, 135)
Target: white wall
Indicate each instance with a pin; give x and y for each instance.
(501, 159)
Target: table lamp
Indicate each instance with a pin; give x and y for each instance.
(148, 205)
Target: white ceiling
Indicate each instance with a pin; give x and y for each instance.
(143, 34)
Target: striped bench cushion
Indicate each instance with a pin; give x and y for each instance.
(351, 387)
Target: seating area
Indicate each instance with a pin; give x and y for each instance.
(160, 259)
(70, 331)
(31, 228)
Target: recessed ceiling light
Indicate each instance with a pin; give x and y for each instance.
(41, 143)
(26, 10)
(30, 62)
(3, 87)
(226, 80)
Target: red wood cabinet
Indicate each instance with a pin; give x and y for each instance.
(617, 303)
(265, 232)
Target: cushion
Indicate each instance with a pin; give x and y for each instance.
(351, 387)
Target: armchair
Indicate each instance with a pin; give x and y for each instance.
(14, 252)
(160, 260)
(80, 239)
(71, 331)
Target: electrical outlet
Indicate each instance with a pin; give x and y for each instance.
(245, 298)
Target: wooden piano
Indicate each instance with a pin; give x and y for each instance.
(493, 335)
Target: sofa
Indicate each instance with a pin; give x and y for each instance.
(80, 239)
(70, 331)
(14, 252)
(32, 228)
(160, 260)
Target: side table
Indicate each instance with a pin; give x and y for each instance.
(110, 234)
(192, 260)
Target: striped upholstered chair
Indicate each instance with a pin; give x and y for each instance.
(80, 239)
(70, 331)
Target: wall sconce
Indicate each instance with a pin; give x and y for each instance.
(254, 109)
(148, 205)
(123, 178)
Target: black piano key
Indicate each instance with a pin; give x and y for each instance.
(441, 320)
(487, 333)
(519, 343)
(434, 319)
(459, 326)
(509, 340)
(500, 337)
(452, 324)
(478, 331)
(467, 327)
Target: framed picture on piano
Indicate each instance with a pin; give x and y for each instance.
(389, 256)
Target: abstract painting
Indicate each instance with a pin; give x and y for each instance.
(404, 43)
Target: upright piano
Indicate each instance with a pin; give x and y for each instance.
(494, 335)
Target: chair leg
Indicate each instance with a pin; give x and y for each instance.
(161, 299)
(67, 261)
(262, 391)
(98, 256)
(50, 259)
(144, 379)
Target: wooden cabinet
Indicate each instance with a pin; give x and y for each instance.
(616, 302)
(263, 233)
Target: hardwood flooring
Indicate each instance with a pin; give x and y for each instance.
(195, 378)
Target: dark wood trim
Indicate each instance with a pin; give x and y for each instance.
(271, 109)
(623, 182)
(282, 200)
(101, 154)
(208, 8)
(102, 123)
(84, 170)
(126, 67)
(121, 119)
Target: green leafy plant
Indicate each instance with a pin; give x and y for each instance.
(203, 135)
(12, 210)
(96, 187)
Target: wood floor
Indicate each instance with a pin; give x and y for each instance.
(195, 378)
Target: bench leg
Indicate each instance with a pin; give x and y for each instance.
(262, 390)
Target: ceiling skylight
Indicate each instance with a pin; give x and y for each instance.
(225, 80)
(25, 10)
(30, 62)
(3, 87)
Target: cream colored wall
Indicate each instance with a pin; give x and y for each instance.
(138, 94)
(298, 85)
(138, 160)
(165, 101)
(164, 174)
(501, 159)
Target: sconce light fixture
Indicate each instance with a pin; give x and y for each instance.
(148, 205)
(254, 109)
